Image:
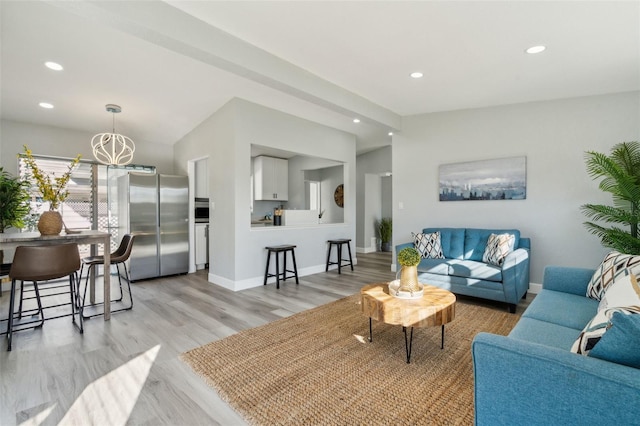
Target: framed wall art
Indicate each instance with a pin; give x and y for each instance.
(498, 179)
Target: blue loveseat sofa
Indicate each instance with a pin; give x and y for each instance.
(531, 377)
(463, 272)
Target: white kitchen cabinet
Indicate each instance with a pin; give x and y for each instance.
(271, 178)
(201, 245)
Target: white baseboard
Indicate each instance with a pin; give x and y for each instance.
(365, 249)
(535, 288)
(258, 281)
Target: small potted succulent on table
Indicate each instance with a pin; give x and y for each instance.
(409, 258)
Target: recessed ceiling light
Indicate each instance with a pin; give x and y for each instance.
(390, 133)
(416, 74)
(536, 49)
(46, 105)
(356, 120)
(54, 66)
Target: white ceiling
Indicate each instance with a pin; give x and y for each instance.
(323, 61)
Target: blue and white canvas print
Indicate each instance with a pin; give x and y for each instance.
(498, 179)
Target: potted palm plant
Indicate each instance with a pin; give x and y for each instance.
(620, 174)
(14, 201)
(384, 233)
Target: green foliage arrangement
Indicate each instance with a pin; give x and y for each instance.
(14, 201)
(408, 256)
(54, 191)
(385, 227)
(620, 174)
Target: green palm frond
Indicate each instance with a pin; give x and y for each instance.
(627, 154)
(615, 238)
(609, 214)
(620, 176)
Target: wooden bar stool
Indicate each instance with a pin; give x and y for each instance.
(277, 250)
(340, 260)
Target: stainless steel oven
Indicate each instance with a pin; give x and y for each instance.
(201, 212)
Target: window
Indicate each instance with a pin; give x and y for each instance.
(78, 209)
(87, 206)
(314, 195)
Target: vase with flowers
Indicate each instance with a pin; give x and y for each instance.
(53, 190)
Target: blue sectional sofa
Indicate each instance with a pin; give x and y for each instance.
(463, 272)
(531, 377)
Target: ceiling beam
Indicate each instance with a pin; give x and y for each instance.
(164, 25)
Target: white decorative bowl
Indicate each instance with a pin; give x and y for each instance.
(395, 285)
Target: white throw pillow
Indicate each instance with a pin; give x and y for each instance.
(498, 247)
(428, 245)
(613, 265)
(624, 291)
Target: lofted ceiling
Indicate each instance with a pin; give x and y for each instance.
(170, 65)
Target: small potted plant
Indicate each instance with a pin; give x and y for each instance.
(384, 232)
(409, 258)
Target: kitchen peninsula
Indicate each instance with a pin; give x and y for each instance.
(290, 218)
(319, 159)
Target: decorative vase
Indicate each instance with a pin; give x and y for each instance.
(50, 223)
(409, 279)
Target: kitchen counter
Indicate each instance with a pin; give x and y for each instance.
(270, 227)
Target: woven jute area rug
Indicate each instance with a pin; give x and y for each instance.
(318, 368)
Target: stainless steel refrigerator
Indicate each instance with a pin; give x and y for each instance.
(156, 208)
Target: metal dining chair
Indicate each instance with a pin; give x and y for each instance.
(118, 257)
(42, 263)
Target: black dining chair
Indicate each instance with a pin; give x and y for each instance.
(118, 257)
(42, 263)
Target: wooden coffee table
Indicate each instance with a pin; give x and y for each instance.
(435, 307)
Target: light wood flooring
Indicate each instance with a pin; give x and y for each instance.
(128, 370)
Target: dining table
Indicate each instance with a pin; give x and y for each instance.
(12, 240)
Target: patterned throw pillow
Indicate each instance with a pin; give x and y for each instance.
(623, 295)
(498, 247)
(428, 245)
(613, 265)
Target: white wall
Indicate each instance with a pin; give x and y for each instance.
(59, 142)
(237, 251)
(372, 190)
(330, 178)
(303, 168)
(375, 162)
(553, 135)
(215, 137)
(386, 189)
